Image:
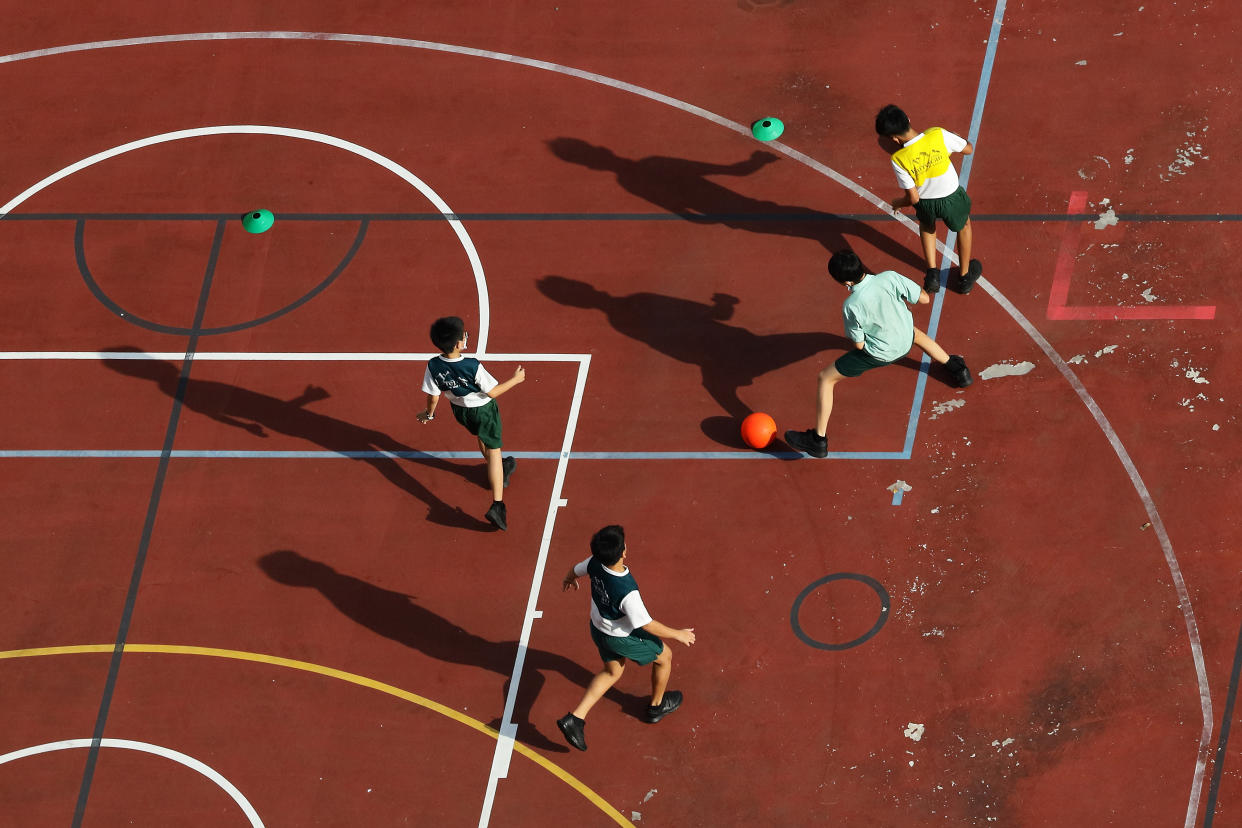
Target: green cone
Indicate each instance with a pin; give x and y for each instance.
(767, 129)
(258, 221)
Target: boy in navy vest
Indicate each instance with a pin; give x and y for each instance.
(621, 629)
(471, 391)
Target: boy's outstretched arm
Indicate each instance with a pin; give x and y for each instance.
(659, 630)
(968, 149)
(518, 376)
(427, 416)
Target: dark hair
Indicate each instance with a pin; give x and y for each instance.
(891, 121)
(845, 266)
(446, 332)
(607, 545)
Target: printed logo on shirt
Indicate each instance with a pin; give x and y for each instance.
(600, 594)
(445, 379)
(926, 158)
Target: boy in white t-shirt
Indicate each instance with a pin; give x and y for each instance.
(621, 628)
(879, 323)
(921, 163)
(472, 392)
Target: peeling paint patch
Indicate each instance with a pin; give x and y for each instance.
(1077, 359)
(1005, 370)
(1081, 63)
(1148, 295)
(650, 794)
(1107, 349)
(914, 731)
(900, 485)
(1186, 155)
(1129, 159)
(1107, 219)
(1196, 375)
(945, 407)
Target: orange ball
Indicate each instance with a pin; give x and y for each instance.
(758, 429)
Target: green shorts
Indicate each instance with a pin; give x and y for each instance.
(640, 646)
(482, 421)
(854, 363)
(953, 209)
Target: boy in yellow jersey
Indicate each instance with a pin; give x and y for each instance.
(924, 171)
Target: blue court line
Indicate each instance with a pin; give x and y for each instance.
(933, 324)
(225, 454)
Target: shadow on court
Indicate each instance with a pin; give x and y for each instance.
(681, 186)
(729, 357)
(398, 617)
(258, 414)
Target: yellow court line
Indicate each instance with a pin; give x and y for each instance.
(353, 678)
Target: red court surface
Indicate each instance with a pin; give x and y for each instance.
(241, 585)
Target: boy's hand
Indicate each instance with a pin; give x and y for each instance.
(571, 581)
(685, 636)
(424, 417)
(519, 375)
(897, 204)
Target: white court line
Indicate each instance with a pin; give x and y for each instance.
(476, 266)
(145, 747)
(1111, 435)
(504, 743)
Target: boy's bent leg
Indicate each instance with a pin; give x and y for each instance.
(971, 269)
(955, 364)
(663, 701)
(929, 346)
(600, 684)
(815, 443)
(661, 669)
(828, 379)
(495, 471)
(927, 234)
(497, 514)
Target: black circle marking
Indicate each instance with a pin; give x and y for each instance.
(107, 301)
(840, 576)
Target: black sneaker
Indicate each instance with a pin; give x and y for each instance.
(961, 374)
(574, 730)
(497, 515)
(671, 701)
(808, 441)
(931, 280)
(971, 276)
(507, 466)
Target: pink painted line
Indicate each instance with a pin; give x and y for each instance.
(1153, 312)
(1065, 259)
(1058, 297)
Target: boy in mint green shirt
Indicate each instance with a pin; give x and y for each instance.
(879, 323)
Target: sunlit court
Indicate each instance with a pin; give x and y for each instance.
(938, 535)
